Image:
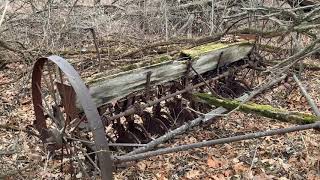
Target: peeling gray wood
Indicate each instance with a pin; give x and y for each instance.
(120, 85)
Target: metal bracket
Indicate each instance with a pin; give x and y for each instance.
(147, 88)
(219, 62)
(204, 81)
(186, 81)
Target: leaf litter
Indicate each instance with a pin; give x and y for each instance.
(291, 156)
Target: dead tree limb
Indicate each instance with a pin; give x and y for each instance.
(308, 50)
(260, 134)
(308, 97)
(211, 115)
(94, 36)
(263, 110)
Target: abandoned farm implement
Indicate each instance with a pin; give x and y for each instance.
(131, 112)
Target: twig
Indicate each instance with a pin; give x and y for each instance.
(287, 67)
(296, 57)
(94, 36)
(109, 144)
(11, 173)
(260, 134)
(308, 97)
(205, 82)
(254, 156)
(7, 152)
(4, 12)
(48, 158)
(7, 127)
(197, 121)
(179, 130)
(82, 168)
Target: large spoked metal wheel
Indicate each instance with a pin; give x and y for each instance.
(67, 118)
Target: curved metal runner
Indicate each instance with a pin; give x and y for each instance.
(87, 103)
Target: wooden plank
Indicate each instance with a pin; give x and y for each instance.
(204, 58)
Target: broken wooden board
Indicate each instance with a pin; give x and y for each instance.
(204, 58)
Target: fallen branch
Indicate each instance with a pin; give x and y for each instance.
(308, 97)
(12, 128)
(313, 66)
(308, 49)
(4, 12)
(13, 172)
(211, 115)
(96, 45)
(259, 90)
(196, 42)
(154, 45)
(134, 157)
(263, 110)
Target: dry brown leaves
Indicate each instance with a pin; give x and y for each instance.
(291, 156)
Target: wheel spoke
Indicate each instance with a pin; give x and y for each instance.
(52, 89)
(49, 86)
(47, 110)
(77, 122)
(56, 121)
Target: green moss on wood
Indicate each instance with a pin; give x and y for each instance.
(102, 76)
(157, 60)
(129, 67)
(193, 53)
(164, 58)
(263, 110)
(196, 52)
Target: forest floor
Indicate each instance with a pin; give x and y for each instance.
(291, 156)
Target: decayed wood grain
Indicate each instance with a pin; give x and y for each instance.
(204, 58)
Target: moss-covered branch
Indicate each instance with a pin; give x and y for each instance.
(263, 110)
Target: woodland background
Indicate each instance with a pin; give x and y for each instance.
(129, 31)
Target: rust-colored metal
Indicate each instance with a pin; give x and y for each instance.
(68, 97)
(169, 104)
(218, 64)
(87, 103)
(39, 123)
(147, 88)
(187, 74)
(204, 81)
(176, 97)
